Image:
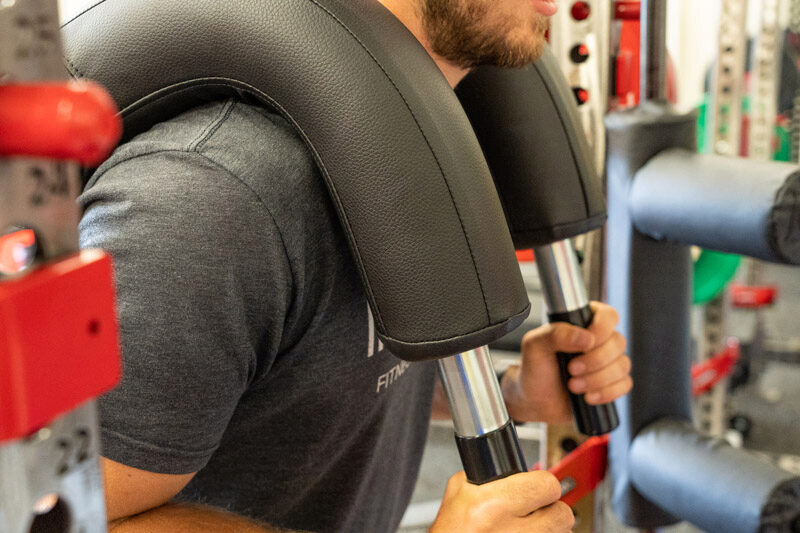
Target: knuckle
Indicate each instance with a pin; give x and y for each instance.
(532, 337)
(549, 485)
(613, 315)
(565, 518)
(617, 372)
(454, 483)
(555, 518)
(484, 514)
(620, 340)
(554, 329)
(603, 396)
(591, 357)
(616, 390)
(562, 335)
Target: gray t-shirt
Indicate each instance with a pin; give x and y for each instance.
(249, 352)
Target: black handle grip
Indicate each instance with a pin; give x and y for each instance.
(590, 419)
(492, 456)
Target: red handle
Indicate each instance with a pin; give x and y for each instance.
(582, 470)
(74, 121)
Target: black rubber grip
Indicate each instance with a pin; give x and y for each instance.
(590, 419)
(492, 456)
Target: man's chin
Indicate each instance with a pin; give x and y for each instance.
(465, 41)
(517, 55)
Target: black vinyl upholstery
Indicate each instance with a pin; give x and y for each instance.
(536, 150)
(397, 152)
(734, 205)
(663, 470)
(709, 483)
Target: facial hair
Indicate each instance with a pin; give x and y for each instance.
(470, 33)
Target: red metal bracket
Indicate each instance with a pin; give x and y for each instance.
(582, 470)
(74, 121)
(626, 84)
(710, 372)
(58, 341)
(746, 297)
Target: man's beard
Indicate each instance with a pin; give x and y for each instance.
(468, 34)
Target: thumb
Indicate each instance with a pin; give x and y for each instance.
(557, 337)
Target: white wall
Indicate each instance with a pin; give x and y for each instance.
(692, 29)
(692, 43)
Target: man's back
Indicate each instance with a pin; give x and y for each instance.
(248, 348)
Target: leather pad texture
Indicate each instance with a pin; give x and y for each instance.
(527, 123)
(400, 160)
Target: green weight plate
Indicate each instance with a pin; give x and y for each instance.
(712, 272)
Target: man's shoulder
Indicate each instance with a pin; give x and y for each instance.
(251, 144)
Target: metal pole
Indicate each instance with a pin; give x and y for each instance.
(486, 437)
(653, 58)
(50, 480)
(567, 301)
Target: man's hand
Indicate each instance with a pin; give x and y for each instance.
(522, 502)
(533, 390)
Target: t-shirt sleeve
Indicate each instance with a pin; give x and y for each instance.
(203, 284)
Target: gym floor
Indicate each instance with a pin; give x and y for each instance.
(770, 399)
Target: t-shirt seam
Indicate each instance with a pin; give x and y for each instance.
(258, 378)
(238, 179)
(212, 127)
(227, 171)
(263, 205)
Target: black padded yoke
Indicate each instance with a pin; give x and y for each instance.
(536, 150)
(402, 165)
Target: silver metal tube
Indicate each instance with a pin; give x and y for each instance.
(560, 274)
(653, 58)
(476, 402)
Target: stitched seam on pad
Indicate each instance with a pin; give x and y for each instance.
(408, 107)
(334, 195)
(222, 115)
(433, 153)
(572, 148)
(272, 103)
(73, 69)
(83, 13)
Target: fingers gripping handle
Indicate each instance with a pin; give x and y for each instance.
(590, 419)
(567, 301)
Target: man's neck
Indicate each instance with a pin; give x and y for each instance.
(407, 13)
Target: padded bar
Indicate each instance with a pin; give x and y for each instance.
(536, 150)
(649, 284)
(397, 153)
(728, 204)
(709, 483)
